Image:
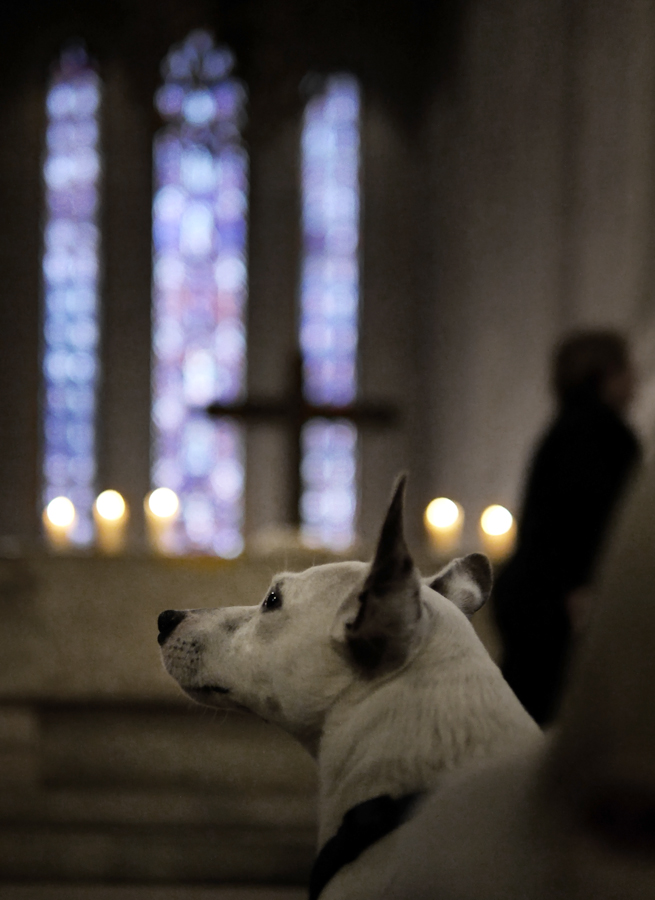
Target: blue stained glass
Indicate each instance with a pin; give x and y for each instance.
(329, 298)
(70, 266)
(199, 293)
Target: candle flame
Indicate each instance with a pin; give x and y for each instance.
(60, 512)
(110, 505)
(163, 503)
(496, 520)
(442, 513)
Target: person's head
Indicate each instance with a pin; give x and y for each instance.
(594, 364)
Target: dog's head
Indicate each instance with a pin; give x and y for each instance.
(318, 632)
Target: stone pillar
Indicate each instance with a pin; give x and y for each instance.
(274, 257)
(609, 235)
(21, 147)
(124, 417)
(394, 339)
(496, 188)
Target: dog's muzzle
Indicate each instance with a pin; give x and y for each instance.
(168, 622)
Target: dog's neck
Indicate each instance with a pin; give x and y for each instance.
(355, 764)
(400, 737)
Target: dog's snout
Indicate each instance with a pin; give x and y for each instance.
(168, 622)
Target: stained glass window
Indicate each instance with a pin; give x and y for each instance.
(199, 293)
(71, 174)
(329, 299)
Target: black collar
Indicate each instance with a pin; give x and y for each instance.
(362, 826)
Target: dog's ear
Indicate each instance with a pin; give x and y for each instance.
(379, 635)
(466, 581)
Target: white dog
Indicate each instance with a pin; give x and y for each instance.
(379, 674)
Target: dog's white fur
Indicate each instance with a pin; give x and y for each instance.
(379, 674)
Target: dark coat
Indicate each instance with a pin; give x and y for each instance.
(577, 476)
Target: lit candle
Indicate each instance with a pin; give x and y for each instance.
(443, 521)
(110, 515)
(161, 508)
(498, 532)
(58, 520)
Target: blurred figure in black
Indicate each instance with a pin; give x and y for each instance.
(579, 470)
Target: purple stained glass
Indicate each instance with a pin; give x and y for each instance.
(199, 293)
(71, 173)
(329, 308)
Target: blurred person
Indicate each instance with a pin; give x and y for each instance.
(581, 465)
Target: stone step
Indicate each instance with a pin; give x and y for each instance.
(113, 806)
(148, 747)
(142, 892)
(170, 746)
(155, 854)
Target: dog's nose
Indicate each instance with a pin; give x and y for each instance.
(167, 622)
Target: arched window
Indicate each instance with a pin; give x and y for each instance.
(71, 173)
(199, 293)
(329, 301)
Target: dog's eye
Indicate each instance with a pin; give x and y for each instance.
(272, 601)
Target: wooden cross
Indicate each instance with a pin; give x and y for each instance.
(293, 411)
